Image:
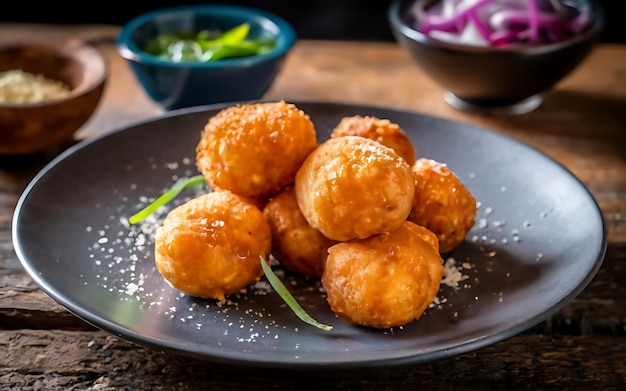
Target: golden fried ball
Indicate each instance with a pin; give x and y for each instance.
(353, 187)
(209, 247)
(255, 149)
(442, 203)
(259, 201)
(386, 280)
(382, 130)
(295, 244)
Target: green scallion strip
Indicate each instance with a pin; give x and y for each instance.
(165, 198)
(284, 293)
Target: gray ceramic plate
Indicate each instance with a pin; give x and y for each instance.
(538, 241)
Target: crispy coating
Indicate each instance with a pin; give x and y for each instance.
(386, 280)
(353, 187)
(209, 247)
(259, 201)
(255, 149)
(295, 244)
(382, 130)
(442, 203)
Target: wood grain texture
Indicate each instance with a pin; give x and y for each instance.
(61, 360)
(581, 124)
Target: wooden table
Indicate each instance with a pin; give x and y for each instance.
(581, 124)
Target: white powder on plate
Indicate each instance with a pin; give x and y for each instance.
(452, 273)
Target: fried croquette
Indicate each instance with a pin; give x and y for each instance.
(295, 244)
(255, 149)
(382, 130)
(259, 202)
(353, 187)
(442, 203)
(209, 247)
(387, 280)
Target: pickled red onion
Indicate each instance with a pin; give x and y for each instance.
(501, 23)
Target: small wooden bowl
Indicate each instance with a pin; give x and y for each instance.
(34, 127)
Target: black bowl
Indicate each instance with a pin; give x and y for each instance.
(493, 80)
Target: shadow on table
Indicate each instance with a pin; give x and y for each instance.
(604, 110)
(27, 165)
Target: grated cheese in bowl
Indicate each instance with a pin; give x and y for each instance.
(18, 86)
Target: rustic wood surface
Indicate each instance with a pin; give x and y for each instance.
(581, 124)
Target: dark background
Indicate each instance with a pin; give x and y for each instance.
(312, 19)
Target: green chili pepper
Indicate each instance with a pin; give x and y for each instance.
(236, 34)
(209, 46)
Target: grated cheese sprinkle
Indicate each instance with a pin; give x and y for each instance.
(452, 274)
(17, 86)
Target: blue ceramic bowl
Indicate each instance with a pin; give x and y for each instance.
(182, 84)
(493, 80)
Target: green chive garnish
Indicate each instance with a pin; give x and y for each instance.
(165, 198)
(284, 293)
